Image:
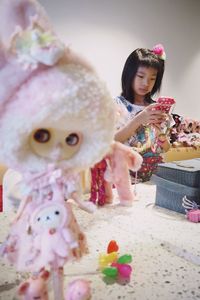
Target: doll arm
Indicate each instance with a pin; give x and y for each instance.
(69, 238)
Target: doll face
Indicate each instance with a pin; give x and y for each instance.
(54, 143)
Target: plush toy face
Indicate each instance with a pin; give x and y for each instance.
(51, 216)
(55, 144)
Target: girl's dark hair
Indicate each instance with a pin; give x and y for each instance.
(145, 58)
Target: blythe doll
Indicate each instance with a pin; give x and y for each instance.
(56, 119)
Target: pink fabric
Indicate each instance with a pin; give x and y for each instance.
(98, 190)
(34, 287)
(22, 14)
(31, 247)
(121, 160)
(194, 215)
(78, 289)
(114, 170)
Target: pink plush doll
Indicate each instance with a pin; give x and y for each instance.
(56, 120)
(114, 169)
(78, 289)
(120, 160)
(35, 287)
(54, 240)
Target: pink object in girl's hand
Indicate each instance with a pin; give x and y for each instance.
(164, 104)
(34, 287)
(78, 290)
(194, 215)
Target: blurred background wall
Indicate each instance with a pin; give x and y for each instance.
(107, 31)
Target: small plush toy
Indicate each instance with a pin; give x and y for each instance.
(54, 239)
(56, 119)
(192, 210)
(35, 287)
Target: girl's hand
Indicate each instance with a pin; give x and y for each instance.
(152, 116)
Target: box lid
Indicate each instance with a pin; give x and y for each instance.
(190, 165)
(185, 172)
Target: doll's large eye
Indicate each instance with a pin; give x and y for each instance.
(42, 136)
(72, 139)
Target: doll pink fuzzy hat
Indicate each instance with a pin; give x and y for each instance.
(41, 79)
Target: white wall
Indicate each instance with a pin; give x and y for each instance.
(106, 31)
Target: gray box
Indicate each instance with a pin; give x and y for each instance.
(175, 180)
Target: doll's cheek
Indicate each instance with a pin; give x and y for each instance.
(69, 151)
(42, 150)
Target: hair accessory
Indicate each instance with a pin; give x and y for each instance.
(34, 46)
(159, 50)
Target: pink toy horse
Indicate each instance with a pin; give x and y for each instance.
(114, 169)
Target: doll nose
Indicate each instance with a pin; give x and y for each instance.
(59, 145)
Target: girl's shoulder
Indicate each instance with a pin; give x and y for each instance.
(131, 108)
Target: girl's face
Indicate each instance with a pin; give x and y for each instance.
(54, 143)
(144, 81)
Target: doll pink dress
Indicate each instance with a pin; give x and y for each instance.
(24, 246)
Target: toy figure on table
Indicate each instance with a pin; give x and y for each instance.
(115, 266)
(114, 170)
(49, 126)
(192, 210)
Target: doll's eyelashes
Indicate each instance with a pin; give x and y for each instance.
(42, 136)
(72, 139)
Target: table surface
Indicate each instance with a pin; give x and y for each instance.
(164, 245)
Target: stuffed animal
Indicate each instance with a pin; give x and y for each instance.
(53, 240)
(35, 287)
(56, 119)
(114, 169)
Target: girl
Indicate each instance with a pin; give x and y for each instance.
(141, 80)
